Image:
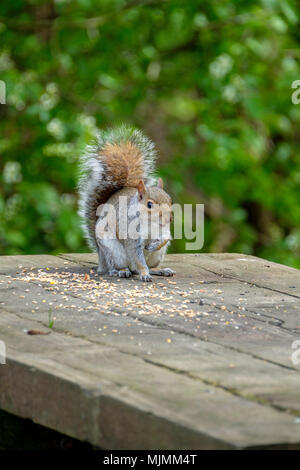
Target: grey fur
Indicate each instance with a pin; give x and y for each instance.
(137, 255)
(92, 171)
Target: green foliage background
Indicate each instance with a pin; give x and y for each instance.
(210, 82)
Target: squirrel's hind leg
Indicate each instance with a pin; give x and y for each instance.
(115, 257)
(102, 266)
(153, 259)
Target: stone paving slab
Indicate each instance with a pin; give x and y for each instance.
(201, 360)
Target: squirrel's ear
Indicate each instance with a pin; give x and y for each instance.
(141, 189)
(160, 183)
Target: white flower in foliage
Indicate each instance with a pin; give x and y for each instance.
(221, 66)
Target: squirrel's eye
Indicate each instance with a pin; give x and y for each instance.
(149, 204)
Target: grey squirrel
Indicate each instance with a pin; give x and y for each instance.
(119, 166)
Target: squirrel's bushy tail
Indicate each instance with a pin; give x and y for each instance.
(118, 158)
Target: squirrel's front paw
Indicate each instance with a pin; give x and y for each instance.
(153, 246)
(146, 277)
(156, 245)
